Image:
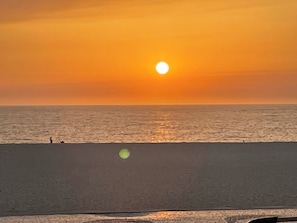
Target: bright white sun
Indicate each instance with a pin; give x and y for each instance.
(162, 68)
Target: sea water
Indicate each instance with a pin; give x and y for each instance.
(176, 123)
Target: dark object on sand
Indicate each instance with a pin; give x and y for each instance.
(62, 141)
(51, 140)
(273, 220)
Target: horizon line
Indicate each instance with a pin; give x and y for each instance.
(184, 104)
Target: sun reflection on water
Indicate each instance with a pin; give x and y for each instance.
(163, 126)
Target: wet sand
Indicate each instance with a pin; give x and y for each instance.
(91, 178)
(216, 216)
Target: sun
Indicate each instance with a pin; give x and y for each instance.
(162, 67)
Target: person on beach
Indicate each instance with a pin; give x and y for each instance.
(51, 140)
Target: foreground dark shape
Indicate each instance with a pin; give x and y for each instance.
(273, 220)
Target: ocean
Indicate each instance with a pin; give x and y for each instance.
(176, 123)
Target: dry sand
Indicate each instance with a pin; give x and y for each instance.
(91, 178)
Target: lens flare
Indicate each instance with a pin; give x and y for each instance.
(124, 154)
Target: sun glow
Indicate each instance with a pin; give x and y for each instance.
(162, 68)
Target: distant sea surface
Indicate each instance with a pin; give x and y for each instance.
(187, 123)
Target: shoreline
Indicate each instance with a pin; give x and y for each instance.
(107, 143)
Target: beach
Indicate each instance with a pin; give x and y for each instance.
(92, 178)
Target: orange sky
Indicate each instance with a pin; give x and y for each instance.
(104, 52)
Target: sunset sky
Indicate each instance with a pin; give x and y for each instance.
(105, 51)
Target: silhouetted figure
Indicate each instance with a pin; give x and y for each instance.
(51, 140)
